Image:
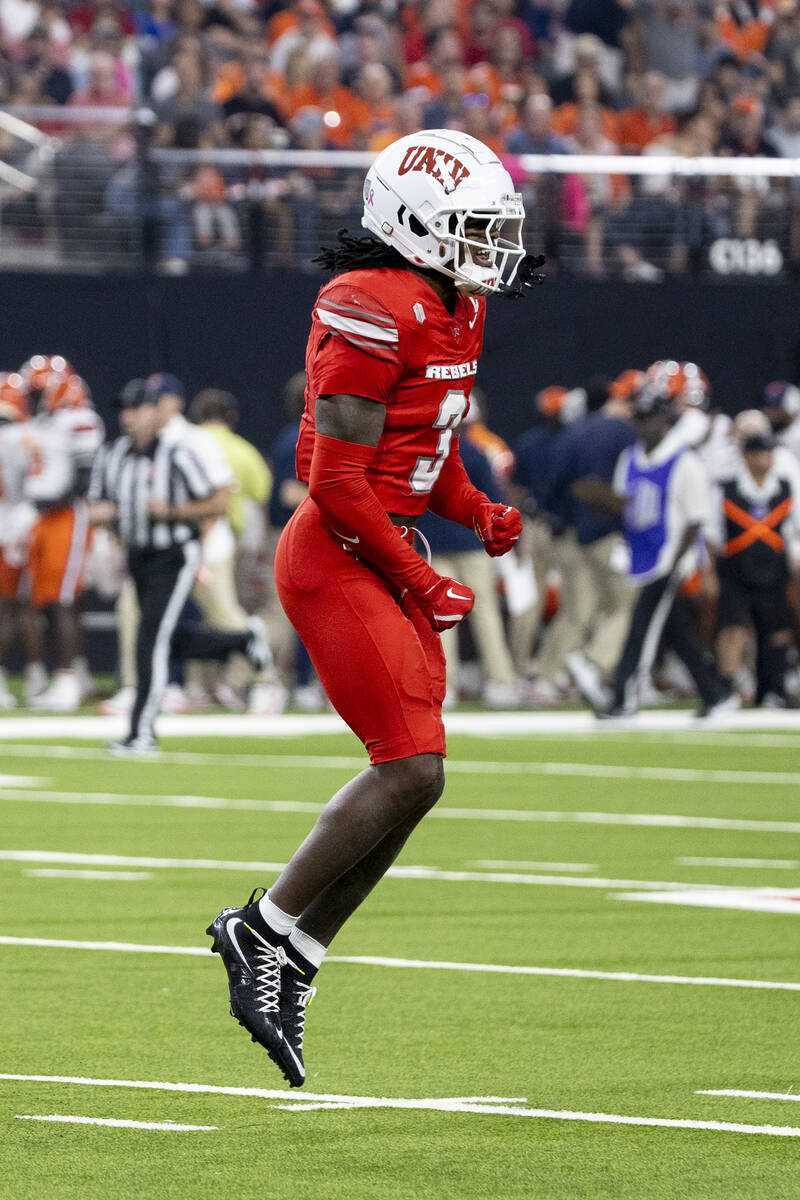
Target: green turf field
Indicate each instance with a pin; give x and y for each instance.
(423, 1081)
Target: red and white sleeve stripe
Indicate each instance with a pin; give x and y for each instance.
(363, 326)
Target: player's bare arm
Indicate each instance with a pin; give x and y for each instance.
(350, 418)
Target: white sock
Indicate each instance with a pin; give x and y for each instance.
(309, 947)
(275, 917)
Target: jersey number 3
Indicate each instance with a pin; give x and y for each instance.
(426, 470)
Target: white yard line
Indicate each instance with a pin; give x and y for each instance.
(21, 781)
(114, 1123)
(441, 813)
(421, 964)
(776, 864)
(736, 1092)
(782, 901)
(410, 872)
(56, 873)
(302, 762)
(309, 1101)
(533, 866)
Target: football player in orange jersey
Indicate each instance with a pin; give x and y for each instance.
(16, 612)
(392, 355)
(63, 438)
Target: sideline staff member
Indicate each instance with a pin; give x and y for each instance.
(156, 494)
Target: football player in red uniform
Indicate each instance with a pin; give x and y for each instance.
(391, 359)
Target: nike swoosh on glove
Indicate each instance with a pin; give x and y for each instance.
(498, 526)
(445, 603)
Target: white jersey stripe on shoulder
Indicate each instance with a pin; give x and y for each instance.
(360, 328)
(366, 344)
(349, 309)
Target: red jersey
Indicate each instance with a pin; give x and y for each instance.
(386, 335)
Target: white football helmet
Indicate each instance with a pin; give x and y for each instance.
(423, 191)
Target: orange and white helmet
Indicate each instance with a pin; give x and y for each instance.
(682, 382)
(550, 400)
(13, 397)
(627, 384)
(422, 191)
(53, 384)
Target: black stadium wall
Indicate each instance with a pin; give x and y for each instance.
(247, 334)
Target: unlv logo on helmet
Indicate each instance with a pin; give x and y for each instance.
(436, 163)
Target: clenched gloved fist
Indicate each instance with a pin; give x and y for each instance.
(498, 526)
(527, 276)
(445, 603)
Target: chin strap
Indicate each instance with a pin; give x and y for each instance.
(527, 276)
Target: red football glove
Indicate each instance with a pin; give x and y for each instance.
(498, 526)
(445, 603)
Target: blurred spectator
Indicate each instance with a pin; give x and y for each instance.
(784, 136)
(639, 126)
(534, 134)
(477, 120)
(588, 57)
(345, 116)
(213, 216)
(303, 25)
(407, 114)
(375, 86)
(373, 40)
(482, 22)
(190, 110)
(743, 136)
(37, 60)
(566, 631)
(587, 92)
(603, 192)
(783, 46)
(739, 25)
(670, 32)
(532, 452)
(443, 50)
(446, 109)
(251, 92)
(104, 88)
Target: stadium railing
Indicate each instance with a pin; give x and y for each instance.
(86, 189)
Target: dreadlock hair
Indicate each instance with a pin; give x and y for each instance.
(357, 253)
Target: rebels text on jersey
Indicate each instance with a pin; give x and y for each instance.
(385, 334)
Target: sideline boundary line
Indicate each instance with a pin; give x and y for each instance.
(478, 724)
(368, 960)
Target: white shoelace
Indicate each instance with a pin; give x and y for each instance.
(269, 961)
(306, 994)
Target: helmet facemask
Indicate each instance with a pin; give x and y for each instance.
(485, 247)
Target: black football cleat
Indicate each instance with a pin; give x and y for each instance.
(254, 962)
(295, 997)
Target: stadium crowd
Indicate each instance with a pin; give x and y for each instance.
(659, 558)
(630, 77)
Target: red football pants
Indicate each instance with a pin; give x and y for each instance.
(380, 663)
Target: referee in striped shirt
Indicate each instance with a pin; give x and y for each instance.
(156, 495)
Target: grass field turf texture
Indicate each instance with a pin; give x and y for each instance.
(565, 1045)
